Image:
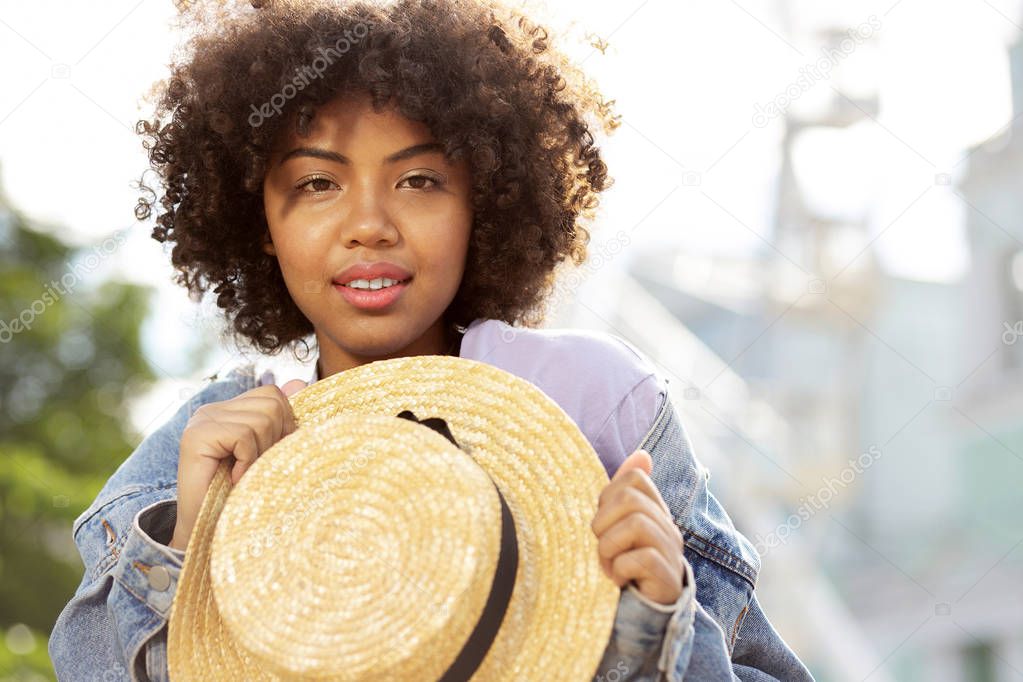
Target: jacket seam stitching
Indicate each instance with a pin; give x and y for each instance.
(721, 557)
(124, 492)
(735, 628)
(741, 567)
(662, 417)
(658, 418)
(124, 585)
(114, 551)
(140, 649)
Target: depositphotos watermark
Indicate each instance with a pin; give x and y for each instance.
(615, 674)
(815, 72)
(812, 504)
(58, 288)
(308, 73)
(1012, 333)
(567, 285)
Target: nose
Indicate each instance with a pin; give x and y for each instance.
(369, 221)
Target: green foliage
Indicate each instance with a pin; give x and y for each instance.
(29, 661)
(70, 363)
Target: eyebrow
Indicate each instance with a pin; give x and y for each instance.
(328, 155)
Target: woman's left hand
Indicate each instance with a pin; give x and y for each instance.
(637, 536)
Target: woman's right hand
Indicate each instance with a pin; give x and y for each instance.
(244, 426)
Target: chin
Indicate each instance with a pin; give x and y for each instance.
(370, 344)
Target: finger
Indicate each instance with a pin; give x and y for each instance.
(638, 530)
(640, 459)
(619, 539)
(238, 470)
(268, 391)
(650, 570)
(291, 422)
(262, 397)
(622, 502)
(636, 564)
(226, 438)
(636, 478)
(273, 405)
(235, 444)
(293, 387)
(264, 422)
(605, 566)
(246, 451)
(245, 447)
(289, 389)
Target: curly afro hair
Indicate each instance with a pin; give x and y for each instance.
(483, 77)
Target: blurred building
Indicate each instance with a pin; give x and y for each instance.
(794, 362)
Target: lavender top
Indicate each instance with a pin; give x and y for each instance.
(609, 389)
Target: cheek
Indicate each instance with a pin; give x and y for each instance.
(302, 250)
(298, 234)
(450, 247)
(456, 230)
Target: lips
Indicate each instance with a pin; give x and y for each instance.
(372, 299)
(370, 271)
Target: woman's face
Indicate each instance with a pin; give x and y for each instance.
(366, 188)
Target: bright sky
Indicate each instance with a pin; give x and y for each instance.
(691, 168)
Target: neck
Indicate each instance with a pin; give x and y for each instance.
(448, 343)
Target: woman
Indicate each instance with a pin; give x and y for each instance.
(402, 179)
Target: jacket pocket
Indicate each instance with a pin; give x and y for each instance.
(725, 594)
(103, 532)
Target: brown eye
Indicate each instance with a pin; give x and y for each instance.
(318, 185)
(418, 180)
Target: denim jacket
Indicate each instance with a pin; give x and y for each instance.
(114, 627)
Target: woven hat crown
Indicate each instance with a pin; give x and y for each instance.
(365, 545)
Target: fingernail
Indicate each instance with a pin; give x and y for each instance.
(266, 378)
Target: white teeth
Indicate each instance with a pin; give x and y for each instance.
(378, 283)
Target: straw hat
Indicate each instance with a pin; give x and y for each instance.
(428, 519)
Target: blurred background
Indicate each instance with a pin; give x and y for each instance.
(816, 233)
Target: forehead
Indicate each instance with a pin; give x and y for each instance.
(349, 124)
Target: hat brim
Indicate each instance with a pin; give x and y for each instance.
(562, 608)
